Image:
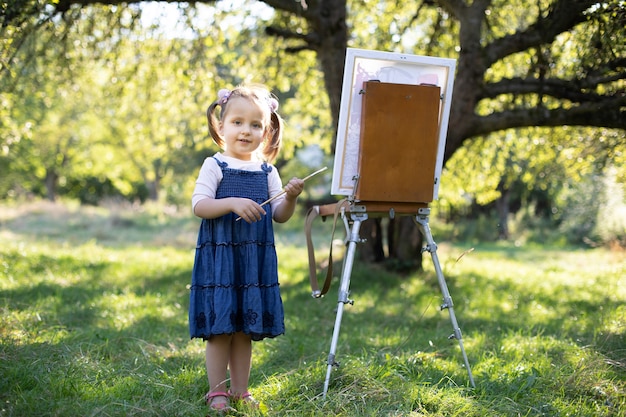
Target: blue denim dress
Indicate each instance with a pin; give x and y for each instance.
(234, 284)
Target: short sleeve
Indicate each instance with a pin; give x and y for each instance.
(206, 184)
(275, 186)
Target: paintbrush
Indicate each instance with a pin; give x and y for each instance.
(283, 191)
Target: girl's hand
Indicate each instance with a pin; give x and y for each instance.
(294, 188)
(247, 209)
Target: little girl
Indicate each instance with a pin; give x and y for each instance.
(235, 297)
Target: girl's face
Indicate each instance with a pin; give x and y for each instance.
(243, 128)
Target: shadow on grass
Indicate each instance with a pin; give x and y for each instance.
(67, 291)
(93, 344)
(575, 354)
(75, 339)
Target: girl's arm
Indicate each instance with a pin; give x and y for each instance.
(211, 208)
(287, 206)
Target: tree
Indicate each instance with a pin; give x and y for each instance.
(514, 64)
(543, 92)
(139, 98)
(54, 95)
(493, 90)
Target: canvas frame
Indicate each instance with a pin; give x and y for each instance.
(365, 65)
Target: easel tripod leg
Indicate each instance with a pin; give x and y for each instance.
(344, 290)
(431, 247)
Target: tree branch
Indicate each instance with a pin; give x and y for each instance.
(455, 7)
(298, 7)
(572, 90)
(610, 113)
(564, 15)
(311, 40)
(64, 5)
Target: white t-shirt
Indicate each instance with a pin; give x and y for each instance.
(210, 177)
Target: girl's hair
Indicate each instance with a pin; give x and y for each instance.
(261, 96)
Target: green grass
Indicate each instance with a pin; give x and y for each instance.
(93, 307)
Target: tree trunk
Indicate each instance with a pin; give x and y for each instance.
(371, 248)
(51, 181)
(405, 244)
(155, 184)
(330, 25)
(153, 189)
(503, 209)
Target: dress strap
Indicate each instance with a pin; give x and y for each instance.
(267, 168)
(221, 164)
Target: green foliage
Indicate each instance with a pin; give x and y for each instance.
(53, 105)
(128, 108)
(93, 303)
(558, 180)
(595, 210)
(533, 167)
(104, 103)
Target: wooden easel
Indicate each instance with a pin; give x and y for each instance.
(398, 148)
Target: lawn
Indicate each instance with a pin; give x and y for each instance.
(93, 308)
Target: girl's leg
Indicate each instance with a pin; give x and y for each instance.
(240, 361)
(217, 356)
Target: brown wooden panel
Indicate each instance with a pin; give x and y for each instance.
(399, 136)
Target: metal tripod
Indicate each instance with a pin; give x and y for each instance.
(431, 247)
(352, 239)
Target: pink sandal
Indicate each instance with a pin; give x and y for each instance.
(245, 398)
(220, 408)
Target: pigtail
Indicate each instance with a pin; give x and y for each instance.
(214, 123)
(274, 138)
